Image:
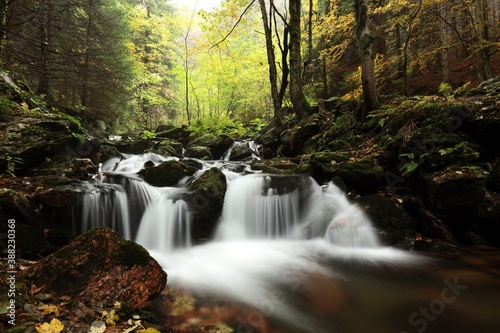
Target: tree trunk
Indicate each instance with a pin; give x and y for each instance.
(297, 96)
(365, 44)
(445, 41)
(86, 65)
(46, 8)
(481, 31)
(271, 58)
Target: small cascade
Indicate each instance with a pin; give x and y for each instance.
(242, 150)
(106, 205)
(166, 225)
(348, 226)
(132, 163)
(254, 209)
(140, 195)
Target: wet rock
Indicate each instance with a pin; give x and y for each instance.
(168, 173)
(278, 166)
(169, 148)
(428, 225)
(394, 224)
(244, 151)
(205, 197)
(217, 145)
(100, 268)
(364, 175)
(199, 152)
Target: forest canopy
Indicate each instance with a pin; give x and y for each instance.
(136, 64)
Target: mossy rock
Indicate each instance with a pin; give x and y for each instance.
(168, 173)
(205, 197)
(364, 175)
(217, 145)
(169, 148)
(100, 268)
(329, 157)
(199, 152)
(278, 166)
(455, 187)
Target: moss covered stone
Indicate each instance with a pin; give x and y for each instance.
(278, 165)
(168, 173)
(205, 197)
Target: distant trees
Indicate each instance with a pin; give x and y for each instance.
(128, 61)
(413, 40)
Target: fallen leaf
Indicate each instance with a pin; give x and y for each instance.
(55, 326)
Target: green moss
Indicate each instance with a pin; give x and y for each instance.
(130, 253)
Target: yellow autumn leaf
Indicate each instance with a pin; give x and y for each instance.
(55, 326)
(149, 330)
(49, 309)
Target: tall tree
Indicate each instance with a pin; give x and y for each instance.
(271, 57)
(297, 95)
(365, 45)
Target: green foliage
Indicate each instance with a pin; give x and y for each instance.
(445, 89)
(148, 135)
(5, 109)
(11, 165)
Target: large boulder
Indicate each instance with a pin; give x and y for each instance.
(33, 140)
(205, 197)
(100, 268)
(168, 173)
(455, 187)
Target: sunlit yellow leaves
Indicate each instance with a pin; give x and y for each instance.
(55, 326)
(49, 309)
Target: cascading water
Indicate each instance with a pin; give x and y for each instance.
(299, 254)
(166, 224)
(106, 206)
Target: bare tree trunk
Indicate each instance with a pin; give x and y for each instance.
(297, 96)
(284, 49)
(46, 9)
(445, 41)
(86, 65)
(481, 36)
(365, 44)
(271, 58)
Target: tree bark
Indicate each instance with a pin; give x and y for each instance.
(365, 44)
(46, 8)
(271, 58)
(445, 41)
(297, 96)
(481, 31)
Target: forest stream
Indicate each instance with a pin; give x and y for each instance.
(297, 256)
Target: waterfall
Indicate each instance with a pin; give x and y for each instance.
(349, 226)
(166, 225)
(106, 206)
(253, 209)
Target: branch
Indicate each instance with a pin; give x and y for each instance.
(234, 26)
